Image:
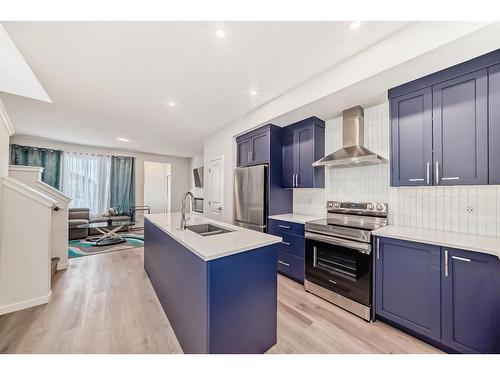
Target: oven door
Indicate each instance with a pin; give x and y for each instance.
(339, 265)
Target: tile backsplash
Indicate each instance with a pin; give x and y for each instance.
(464, 209)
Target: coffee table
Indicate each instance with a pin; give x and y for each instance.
(108, 230)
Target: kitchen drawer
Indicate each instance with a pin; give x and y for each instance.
(292, 244)
(278, 227)
(291, 266)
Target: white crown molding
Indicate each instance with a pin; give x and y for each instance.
(27, 191)
(6, 120)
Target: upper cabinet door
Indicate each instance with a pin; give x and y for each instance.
(494, 124)
(288, 160)
(411, 139)
(408, 285)
(304, 149)
(471, 301)
(244, 146)
(260, 148)
(460, 127)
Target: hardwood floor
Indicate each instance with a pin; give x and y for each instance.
(105, 304)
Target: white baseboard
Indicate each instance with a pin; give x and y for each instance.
(62, 265)
(25, 304)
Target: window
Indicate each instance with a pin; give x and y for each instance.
(86, 180)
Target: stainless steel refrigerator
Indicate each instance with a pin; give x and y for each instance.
(250, 197)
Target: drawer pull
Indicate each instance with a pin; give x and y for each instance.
(415, 179)
(450, 178)
(331, 281)
(285, 243)
(460, 258)
(283, 263)
(283, 226)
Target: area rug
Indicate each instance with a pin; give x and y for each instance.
(80, 248)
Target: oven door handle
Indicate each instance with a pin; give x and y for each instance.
(360, 246)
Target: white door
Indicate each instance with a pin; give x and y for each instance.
(216, 187)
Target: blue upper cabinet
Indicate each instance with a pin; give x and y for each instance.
(460, 130)
(471, 302)
(411, 135)
(408, 285)
(254, 147)
(494, 123)
(445, 127)
(303, 144)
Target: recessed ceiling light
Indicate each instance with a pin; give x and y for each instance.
(221, 33)
(171, 104)
(253, 92)
(123, 139)
(355, 25)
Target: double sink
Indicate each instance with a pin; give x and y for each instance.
(206, 230)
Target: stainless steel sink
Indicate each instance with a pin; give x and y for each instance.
(207, 229)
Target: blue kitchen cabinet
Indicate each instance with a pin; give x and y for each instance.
(291, 250)
(411, 139)
(494, 123)
(254, 147)
(471, 302)
(303, 144)
(445, 127)
(408, 285)
(460, 130)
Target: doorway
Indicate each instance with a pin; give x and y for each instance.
(157, 186)
(216, 187)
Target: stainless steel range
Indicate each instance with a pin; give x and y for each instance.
(338, 254)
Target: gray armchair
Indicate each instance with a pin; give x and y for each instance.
(78, 216)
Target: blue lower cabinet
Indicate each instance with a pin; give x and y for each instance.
(449, 296)
(291, 250)
(471, 302)
(291, 266)
(408, 285)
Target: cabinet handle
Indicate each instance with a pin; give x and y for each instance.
(428, 173)
(283, 263)
(437, 172)
(450, 178)
(415, 179)
(460, 258)
(285, 243)
(297, 180)
(315, 255)
(378, 248)
(293, 180)
(283, 226)
(446, 263)
(251, 156)
(248, 157)
(331, 281)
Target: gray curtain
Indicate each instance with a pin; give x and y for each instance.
(122, 184)
(49, 159)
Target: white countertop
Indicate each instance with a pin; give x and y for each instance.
(471, 242)
(295, 218)
(211, 247)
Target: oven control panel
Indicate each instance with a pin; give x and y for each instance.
(359, 208)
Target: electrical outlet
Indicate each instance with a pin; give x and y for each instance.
(469, 209)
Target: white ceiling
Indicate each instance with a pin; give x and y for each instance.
(113, 79)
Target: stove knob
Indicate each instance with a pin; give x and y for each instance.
(330, 204)
(337, 205)
(380, 207)
(370, 206)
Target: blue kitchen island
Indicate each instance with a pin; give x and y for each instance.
(219, 292)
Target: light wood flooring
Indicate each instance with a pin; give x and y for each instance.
(105, 304)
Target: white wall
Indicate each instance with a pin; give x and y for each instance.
(156, 186)
(438, 207)
(180, 166)
(196, 162)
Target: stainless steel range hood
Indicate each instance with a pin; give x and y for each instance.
(352, 154)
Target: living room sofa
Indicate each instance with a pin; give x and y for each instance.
(79, 216)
